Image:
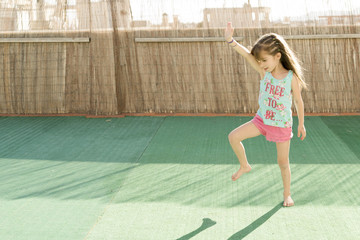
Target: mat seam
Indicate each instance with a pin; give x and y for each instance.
(157, 130)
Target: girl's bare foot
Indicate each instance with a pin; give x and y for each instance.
(288, 202)
(240, 172)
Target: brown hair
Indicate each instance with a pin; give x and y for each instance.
(273, 43)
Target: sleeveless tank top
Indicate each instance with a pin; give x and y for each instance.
(275, 100)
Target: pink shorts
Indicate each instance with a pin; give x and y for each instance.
(272, 134)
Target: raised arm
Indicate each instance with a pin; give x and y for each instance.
(229, 31)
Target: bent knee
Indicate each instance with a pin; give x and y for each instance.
(234, 137)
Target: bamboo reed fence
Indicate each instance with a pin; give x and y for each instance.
(164, 71)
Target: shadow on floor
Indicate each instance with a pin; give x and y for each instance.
(207, 222)
(257, 223)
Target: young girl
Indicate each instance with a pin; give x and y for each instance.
(281, 80)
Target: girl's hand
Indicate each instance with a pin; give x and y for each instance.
(229, 31)
(301, 132)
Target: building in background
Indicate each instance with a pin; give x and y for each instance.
(42, 15)
(7, 17)
(246, 16)
(28, 15)
(165, 23)
(140, 24)
(340, 20)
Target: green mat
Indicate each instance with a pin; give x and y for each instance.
(170, 178)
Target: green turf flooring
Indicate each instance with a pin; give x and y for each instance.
(170, 178)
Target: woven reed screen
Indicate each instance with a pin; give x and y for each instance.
(119, 71)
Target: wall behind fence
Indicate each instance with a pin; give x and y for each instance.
(114, 74)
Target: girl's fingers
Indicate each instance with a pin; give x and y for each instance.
(302, 133)
(229, 26)
(229, 31)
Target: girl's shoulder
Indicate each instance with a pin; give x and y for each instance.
(290, 75)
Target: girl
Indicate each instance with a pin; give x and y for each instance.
(281, 80)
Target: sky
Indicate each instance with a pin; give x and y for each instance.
(192, 10)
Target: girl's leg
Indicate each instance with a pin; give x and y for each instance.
(283, 149)
(247, 130)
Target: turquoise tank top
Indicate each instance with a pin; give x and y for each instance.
(275, 100)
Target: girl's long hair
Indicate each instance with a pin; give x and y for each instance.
(273, 43)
